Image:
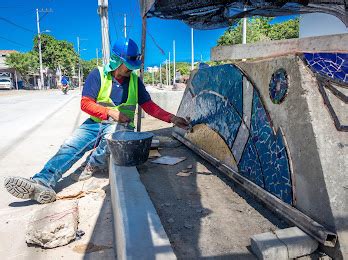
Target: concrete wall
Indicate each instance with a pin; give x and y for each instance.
(318, 155)
(318, 152)
(318, 24)
(167, 99)
(329, 43)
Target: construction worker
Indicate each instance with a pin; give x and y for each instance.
(110, 92)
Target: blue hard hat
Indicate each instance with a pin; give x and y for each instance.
(127, 50)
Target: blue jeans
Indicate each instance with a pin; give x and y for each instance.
(88, 136)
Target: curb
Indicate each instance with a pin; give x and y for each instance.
(139, 233)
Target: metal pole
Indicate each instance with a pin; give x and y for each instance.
(174, 72)
(16, 79)
(97, 56)
(103, 13)
(143, 44)
(192, 51)
(78, 53)
(40, 54)
(161, 75)
(153, 78)
(169, 70)
(290, 213)
(125, 25)
(244, 30)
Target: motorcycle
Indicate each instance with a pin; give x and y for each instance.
(65, 89)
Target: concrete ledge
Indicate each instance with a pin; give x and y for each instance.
(327, 43)
(284, 244)
(139, 233)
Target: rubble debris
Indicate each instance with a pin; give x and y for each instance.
(79, 234)
(169, 160)
(155, 143)
(188, 226)
(184, 174)
(154, 154)
(53, 225)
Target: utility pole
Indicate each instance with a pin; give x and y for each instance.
(103, 13)
(78, 52)
(96, 51)
(169, 70)
(174, 72)
(153, 78)
(125, 25)
(244, 30)
(192, 51)
(160, 75)
(39, 43)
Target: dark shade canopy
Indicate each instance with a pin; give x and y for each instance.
(211, 14)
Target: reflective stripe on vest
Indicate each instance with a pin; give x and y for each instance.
(127, 108)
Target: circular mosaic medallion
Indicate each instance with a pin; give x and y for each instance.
(278, 86)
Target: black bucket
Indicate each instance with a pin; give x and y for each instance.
(129, 148)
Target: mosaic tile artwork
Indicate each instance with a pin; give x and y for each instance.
(331, 65)
(278, 86)
(332, 74)
(221, 98)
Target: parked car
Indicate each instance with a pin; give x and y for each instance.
(6, 83)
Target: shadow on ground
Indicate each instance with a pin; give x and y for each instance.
(205, 215)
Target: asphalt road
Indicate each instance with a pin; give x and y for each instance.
(22, 111)
(27, 157)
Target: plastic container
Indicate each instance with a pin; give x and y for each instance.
(129, 148)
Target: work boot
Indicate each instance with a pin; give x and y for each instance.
(29, 189)
(85, 172)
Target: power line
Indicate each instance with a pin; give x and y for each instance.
(17, 43)
(9, 7)
(16, 25)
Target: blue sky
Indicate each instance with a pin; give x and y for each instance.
(79, 18)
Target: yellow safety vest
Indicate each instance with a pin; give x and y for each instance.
(127, 108)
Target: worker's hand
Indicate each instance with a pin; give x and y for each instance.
(180, 122)
(118, 116)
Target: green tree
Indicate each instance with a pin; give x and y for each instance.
(57, 53)
(24, 63)
(89, 65)
(260, 29)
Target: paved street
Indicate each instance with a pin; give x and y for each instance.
(21, 112)
(27, 157)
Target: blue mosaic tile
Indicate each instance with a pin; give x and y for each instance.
(212, 110)
(227, 80)
(271, 152)
(218, 103)
(278, 86)
(249, 165)
(332, 65)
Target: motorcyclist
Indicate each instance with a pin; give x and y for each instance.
(65, 84)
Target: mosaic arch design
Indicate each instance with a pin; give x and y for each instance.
(224, 99)
(330, 65)
(278, 86)
(331, 70)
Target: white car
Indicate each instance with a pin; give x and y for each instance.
(6, 83)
